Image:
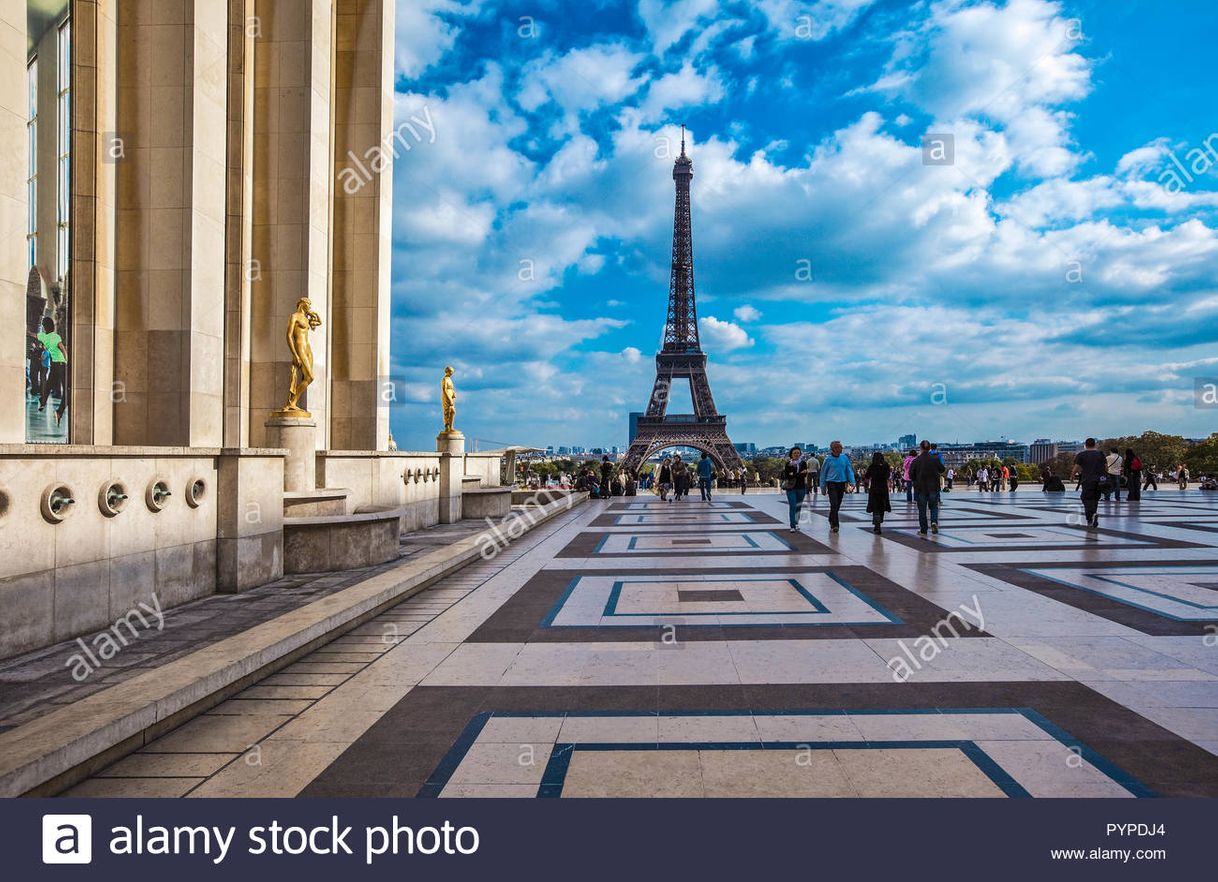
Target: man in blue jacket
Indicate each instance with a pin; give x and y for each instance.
(836, 473)
(706, 471)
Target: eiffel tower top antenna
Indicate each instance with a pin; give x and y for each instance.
(682, 139)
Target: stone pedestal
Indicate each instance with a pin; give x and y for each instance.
(298, 435)
(451, 446)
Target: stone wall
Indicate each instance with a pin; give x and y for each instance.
(75, 571)
(487, 466)
(408, 480)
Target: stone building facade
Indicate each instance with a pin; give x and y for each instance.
(190, 171)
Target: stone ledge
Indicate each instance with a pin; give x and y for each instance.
(56, 750)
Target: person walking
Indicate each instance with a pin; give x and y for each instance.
(1005, 480)
(1114, 463)
(1091, 469)
(744, 481)
(1182, 476)
(680, 477)
(924, 473)
(665, 479)
(706, 472)
(878, 501)
(836, 473)
(795, 483)
(1014, 484)
(1151, 479)
(983, 479)
(813, 476)
(1133, 473)
(949, 478)
(905, 464)
(56, 377)
(606, 478)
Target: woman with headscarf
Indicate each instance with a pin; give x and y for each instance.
(877, 489)
(1133, 473)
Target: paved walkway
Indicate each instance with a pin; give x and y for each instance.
(638, 648)
(36, 683)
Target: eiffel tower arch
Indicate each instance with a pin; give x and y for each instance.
(682, 358)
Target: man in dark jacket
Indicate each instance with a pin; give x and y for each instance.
(606, 478)
(924, 474)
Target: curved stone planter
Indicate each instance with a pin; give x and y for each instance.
(486, 502)
(331, 543)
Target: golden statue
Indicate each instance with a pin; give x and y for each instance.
(448, 400)
(303, 320)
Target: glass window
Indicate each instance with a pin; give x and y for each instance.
(31, 130)
(63, 214)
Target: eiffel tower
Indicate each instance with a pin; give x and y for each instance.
(682, 357)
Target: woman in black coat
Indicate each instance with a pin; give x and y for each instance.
(877, 489)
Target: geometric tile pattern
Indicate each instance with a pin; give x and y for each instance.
(996, 752)
(640, 648)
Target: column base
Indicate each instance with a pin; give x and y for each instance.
(296, 431)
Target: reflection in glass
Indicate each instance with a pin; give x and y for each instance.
(48, 225)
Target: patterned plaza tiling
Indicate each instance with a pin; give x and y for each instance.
(1169, 598)
(645, 649)
(1027, 537)
(782, 604)
(685, 513)
(692, 542)
(996, 740)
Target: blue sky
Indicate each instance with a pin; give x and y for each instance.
(1054, 280)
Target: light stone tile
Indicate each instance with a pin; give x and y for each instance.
(643, 729)
(773, 773)
(914, 772)
(520, 730)
(498, 762)
(488, 791)
(277, 768)
(168, 765)
(217, 734)
(1051, 769)
(137, 788)
(634, 773)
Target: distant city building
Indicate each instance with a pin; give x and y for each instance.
(959, 454)
(1069, 446)
(748, 448)
(1042, 450)
(773, 451)
(907, 441)
(564, 451)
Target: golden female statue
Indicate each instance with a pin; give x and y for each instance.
(448, 400)
(303, 320)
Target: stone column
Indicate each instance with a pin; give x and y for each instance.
(298, 435)
(290, 209)
(363, 209)
(249, 519)
(169, 252)
(451, 446)
(13, 266)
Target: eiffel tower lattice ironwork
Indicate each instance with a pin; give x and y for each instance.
(681, 357)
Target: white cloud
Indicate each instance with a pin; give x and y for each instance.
(746, 313)
(581, 79)
(685, 88)
(723, 336)
(668, 22)
(424, 30)
(794, 19)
